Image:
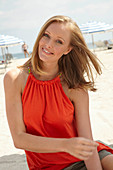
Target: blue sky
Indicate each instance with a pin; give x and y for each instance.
(24, 18)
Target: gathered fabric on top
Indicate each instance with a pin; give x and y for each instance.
(48, 112)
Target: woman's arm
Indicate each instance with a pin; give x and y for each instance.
(13, 81)
(13, 85)
(81, 102)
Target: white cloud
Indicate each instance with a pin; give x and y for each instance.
(99, 11)
(27, 16)
(1, 13)
(94, 9)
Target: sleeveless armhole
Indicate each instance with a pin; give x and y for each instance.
(28, 77)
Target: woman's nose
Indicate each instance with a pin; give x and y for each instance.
(49, 44)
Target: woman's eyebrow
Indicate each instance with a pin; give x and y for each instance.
(47, 31)
(61, 38)
(57, 36)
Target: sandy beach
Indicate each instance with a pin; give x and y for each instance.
(101, 113)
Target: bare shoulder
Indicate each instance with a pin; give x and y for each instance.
(80, 98)
(79, 94)
(11, 75)
(14, 78)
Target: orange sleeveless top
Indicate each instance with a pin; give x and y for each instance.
(48, 112)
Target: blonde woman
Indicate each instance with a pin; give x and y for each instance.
(47, 102)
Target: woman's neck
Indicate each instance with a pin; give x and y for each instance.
(51, 71)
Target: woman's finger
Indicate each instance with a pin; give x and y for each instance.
(88, 148)
(89, 142)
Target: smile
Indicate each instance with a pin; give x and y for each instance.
(46, 51)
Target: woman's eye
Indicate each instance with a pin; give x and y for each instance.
(59, 41)
(46, 35)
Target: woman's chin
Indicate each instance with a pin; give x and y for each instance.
(44, 58)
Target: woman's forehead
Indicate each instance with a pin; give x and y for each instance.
(58, 26)
(59, 29)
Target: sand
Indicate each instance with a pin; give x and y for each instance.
(101, 113)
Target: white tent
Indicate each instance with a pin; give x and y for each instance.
(94, 28)
(8, 41)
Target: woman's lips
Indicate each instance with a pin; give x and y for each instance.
(46, 51)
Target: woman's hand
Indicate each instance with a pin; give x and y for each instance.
(80, 147)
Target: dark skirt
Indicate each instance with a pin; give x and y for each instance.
(81, 165)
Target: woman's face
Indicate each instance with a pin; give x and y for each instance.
(54, 42)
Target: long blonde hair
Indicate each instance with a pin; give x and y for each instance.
(77, 66)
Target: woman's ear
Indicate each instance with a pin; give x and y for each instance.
(69, 49)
